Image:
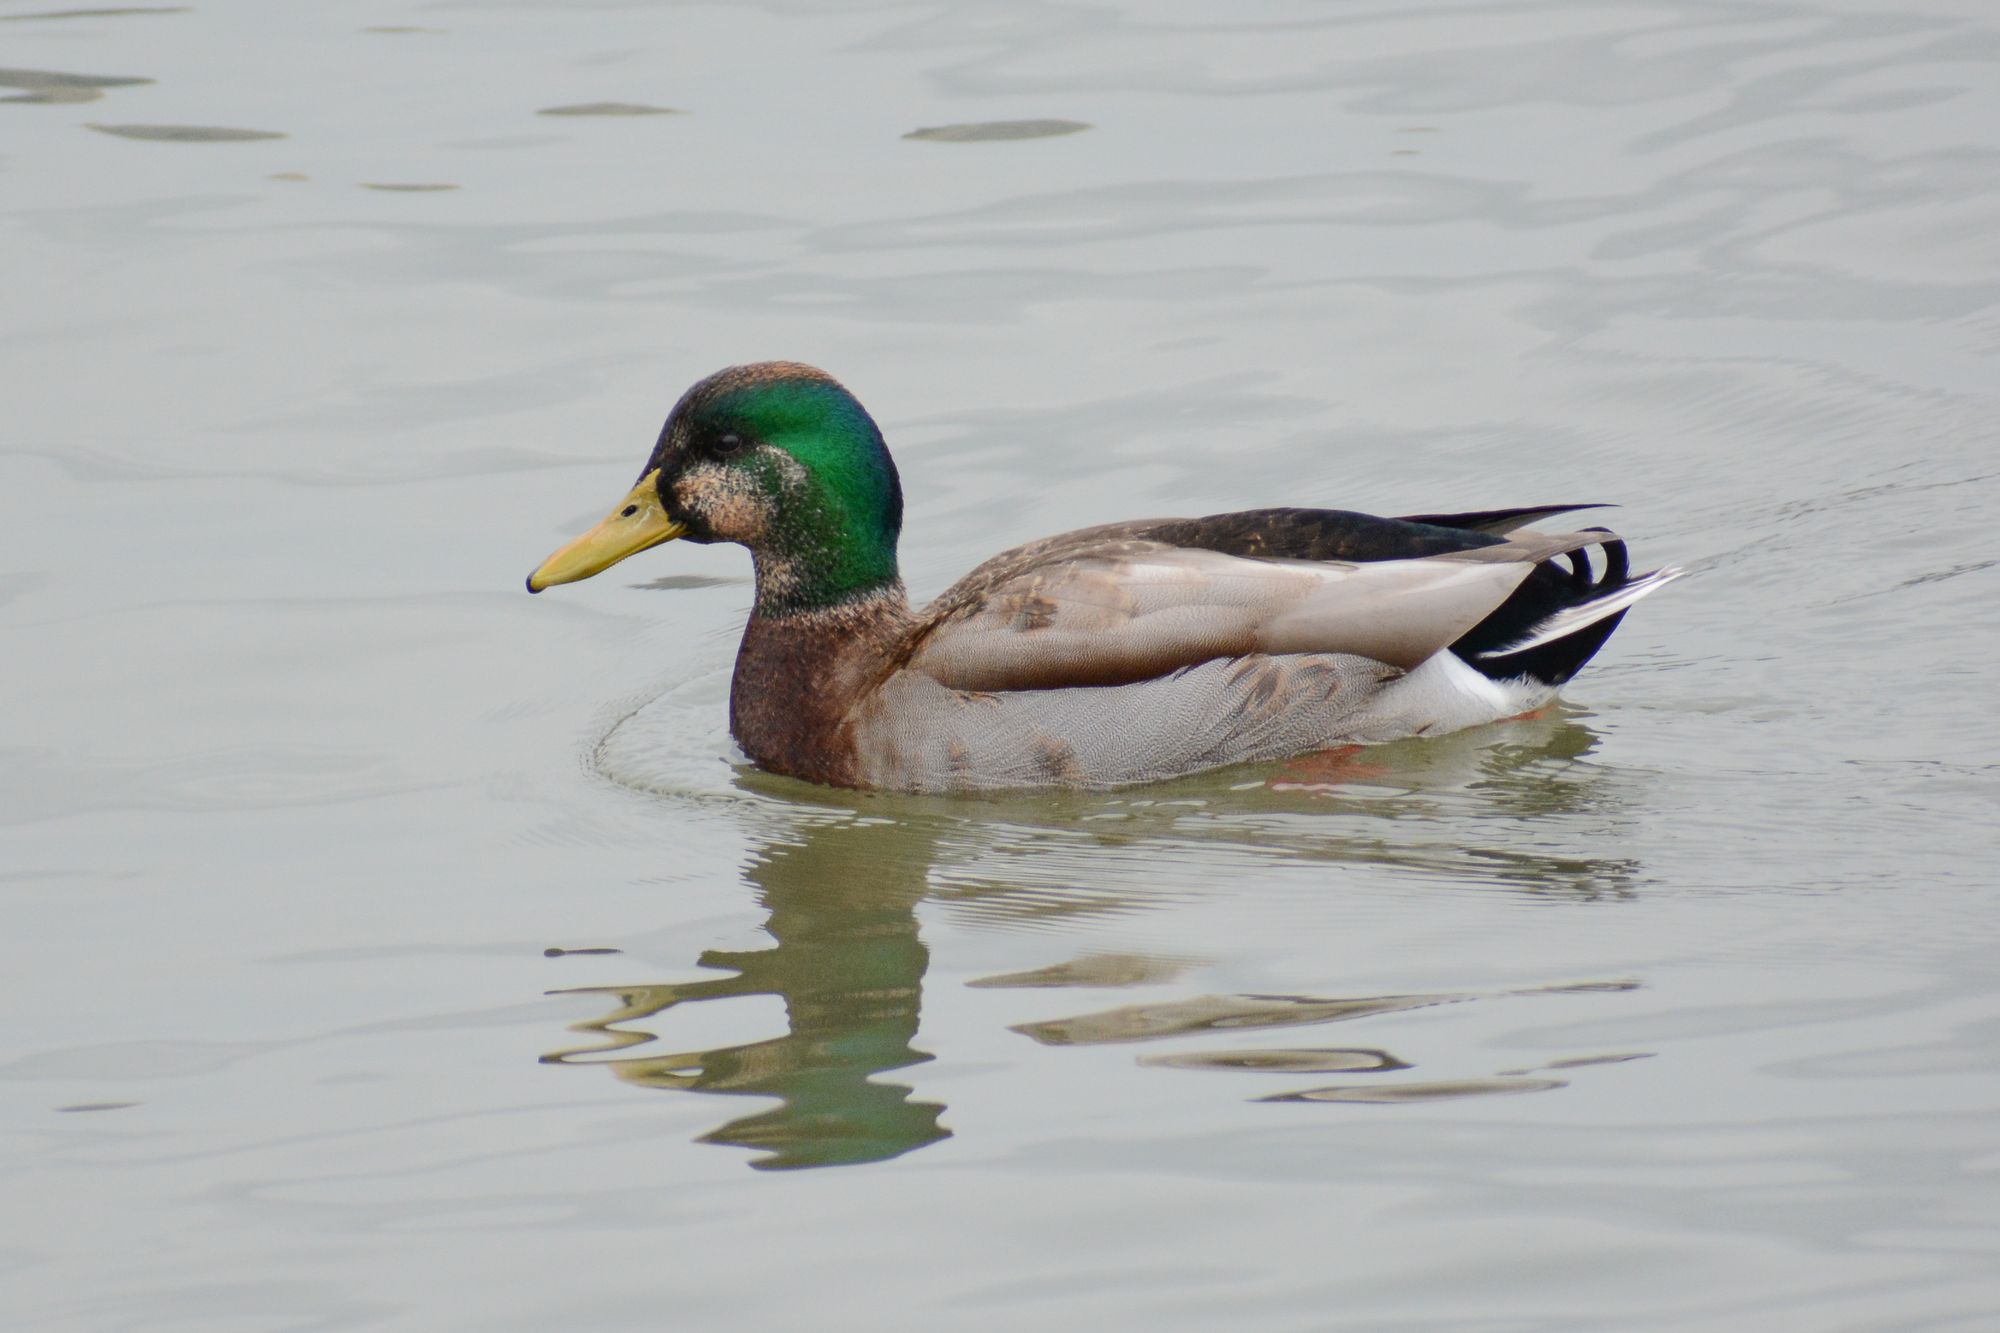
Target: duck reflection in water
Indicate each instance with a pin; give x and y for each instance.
(848, 964)
(841, 888)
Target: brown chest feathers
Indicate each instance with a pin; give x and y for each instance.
(798, 679)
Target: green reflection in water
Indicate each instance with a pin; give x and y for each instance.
(841, 875)
(848, 964)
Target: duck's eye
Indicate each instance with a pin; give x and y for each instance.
(728, 444)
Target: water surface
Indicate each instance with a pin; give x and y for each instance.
(388, 949)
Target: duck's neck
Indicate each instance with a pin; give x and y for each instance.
(799, 674)
(820, 557)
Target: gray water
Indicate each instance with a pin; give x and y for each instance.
(386, 949)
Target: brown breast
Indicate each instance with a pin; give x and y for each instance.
(798, 678)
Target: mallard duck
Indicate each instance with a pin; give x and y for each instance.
(1117, 654)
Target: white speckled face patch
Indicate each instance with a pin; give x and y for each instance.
(730, 499)
(739, 501)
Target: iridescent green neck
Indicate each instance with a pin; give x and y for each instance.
(813, 570)
(832, 538)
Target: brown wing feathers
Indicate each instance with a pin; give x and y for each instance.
(1132, 601)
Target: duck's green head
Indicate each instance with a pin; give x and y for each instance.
(778, 457)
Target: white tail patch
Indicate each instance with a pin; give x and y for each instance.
(1573, 618)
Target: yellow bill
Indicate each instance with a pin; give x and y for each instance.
(637, 523)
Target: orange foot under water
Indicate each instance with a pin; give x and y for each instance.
(1324, 770)
(1328, 770)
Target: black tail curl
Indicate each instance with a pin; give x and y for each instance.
(1566, 582)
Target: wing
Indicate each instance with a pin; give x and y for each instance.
(1135, 601)
(1499, 522)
